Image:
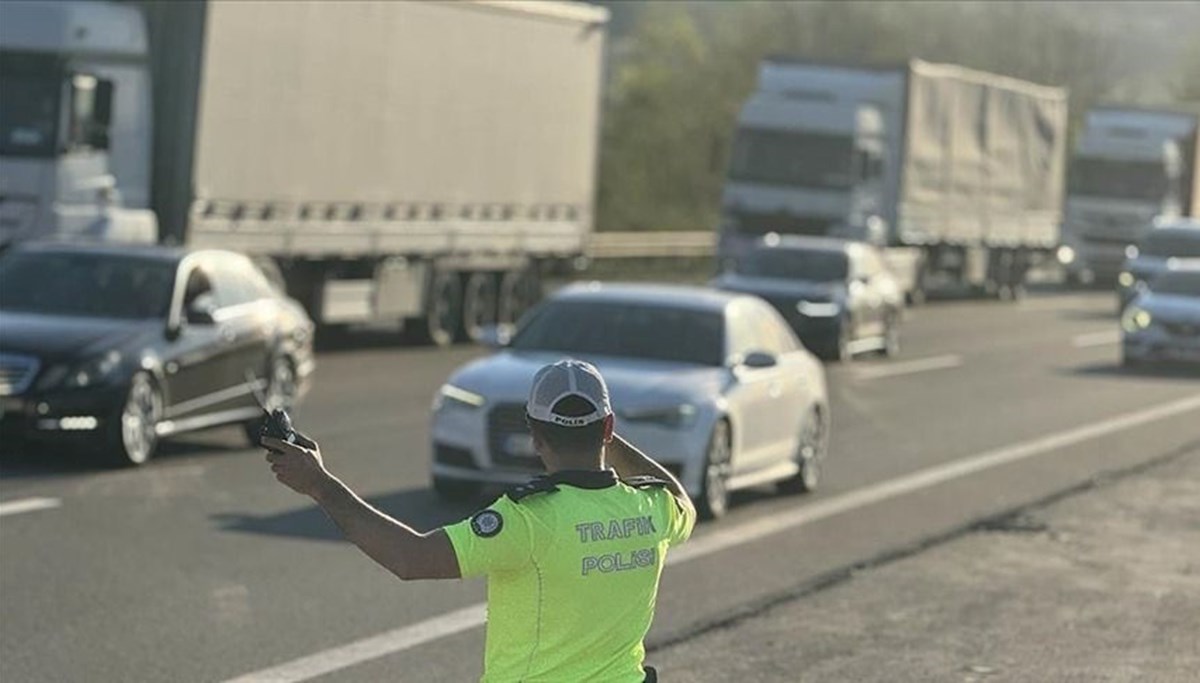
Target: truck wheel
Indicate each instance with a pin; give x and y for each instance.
(519, 289)
(479, 306)
(443, 311)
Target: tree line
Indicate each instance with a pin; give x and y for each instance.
(680, 71)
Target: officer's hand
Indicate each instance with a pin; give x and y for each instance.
(300, 469)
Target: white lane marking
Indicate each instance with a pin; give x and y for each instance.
(374, 647)
(467, 618)
(909, 367)
(1104, 338)
(16, 507)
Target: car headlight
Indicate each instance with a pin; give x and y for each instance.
(1126, 279)
(818, 309)
(1132, 251)
(451, 396)
(94, 372)
(1065, 255)
(674, 417)
(1136, 319)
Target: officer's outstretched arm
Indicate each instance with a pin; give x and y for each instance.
(407, 553)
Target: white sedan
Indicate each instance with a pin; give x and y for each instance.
(713, 385)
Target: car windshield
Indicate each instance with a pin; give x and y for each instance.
(625, 330)
(1181, 282)
(795, 264)
(1119, 179)
(87, 285)
(1171, 243)
(29, 107)
(777, 157)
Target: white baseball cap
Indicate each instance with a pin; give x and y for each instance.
(565, 378)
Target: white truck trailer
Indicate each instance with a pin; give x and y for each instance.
(417, 161)
(958, 173)
(1130, 167)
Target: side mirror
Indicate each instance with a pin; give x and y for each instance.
(496, 336)
(759, 359)
(200, 311)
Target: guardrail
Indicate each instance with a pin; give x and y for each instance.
(663, 244)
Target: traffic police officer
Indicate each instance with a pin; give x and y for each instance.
(572, 558)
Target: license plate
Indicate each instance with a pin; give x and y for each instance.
(519, 445)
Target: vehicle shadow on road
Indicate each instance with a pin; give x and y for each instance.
(1094, 315)
(418, 508)
(1172, 372)
(30, 459)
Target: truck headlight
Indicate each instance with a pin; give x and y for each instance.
(674, 417)
(1136, 319)
(1065, 255)
(451, 396)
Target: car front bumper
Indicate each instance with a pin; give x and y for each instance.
(1159, 344)
(61, 414)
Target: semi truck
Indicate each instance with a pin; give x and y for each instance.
(958, 174)
(1131, 167)
(422, 162)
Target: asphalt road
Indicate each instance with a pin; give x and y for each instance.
(201, 567)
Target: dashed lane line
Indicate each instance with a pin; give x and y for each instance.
(16, 507)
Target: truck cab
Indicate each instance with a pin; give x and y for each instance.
(74, 118)
(1127, 171)
(803, 166)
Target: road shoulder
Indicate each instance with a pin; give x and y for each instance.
(1099, 586)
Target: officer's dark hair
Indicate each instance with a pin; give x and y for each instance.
(583, 441)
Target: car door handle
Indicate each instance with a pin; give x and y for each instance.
(228, 334)
(775, 389)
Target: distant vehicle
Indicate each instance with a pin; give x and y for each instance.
(714, 385)
(114, 348)
(422, 162)
(957, 174)
(1158, 250)
(1162, 323)
(1129, 167)
(838, 296)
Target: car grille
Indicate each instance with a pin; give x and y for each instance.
(753, 223)
(506, 420)
(453, 456)
(16, 373)
(1182, 329)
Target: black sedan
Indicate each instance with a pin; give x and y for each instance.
(113, 348)
(839, 296)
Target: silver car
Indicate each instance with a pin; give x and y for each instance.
(1162, 323)
(713, 385)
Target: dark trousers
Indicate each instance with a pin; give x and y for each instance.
(651, 674)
